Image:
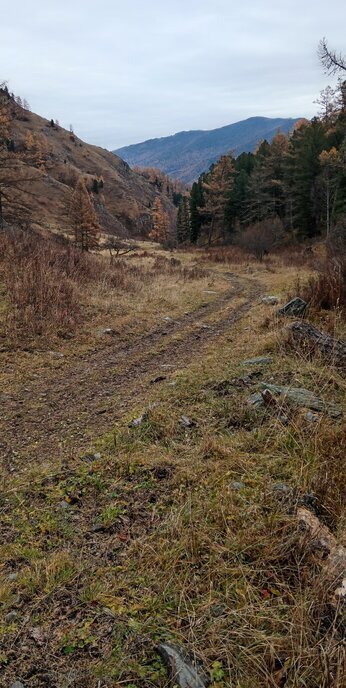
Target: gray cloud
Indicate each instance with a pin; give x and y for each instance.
(123, 72)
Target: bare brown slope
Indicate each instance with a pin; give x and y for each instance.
(126, 195)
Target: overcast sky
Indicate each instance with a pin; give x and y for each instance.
(122, 71)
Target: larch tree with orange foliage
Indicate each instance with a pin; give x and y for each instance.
(83, 218)
(160, 223)
(217, 187)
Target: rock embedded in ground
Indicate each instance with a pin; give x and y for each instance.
(296, 306)
(236, 485)
(256, 400)
(312, 417)
(281, 488)
(260, 360)
(184, 672)
(187, 422)
(300, 397)
(17, 684)
(12, 577)
(136, 422)
(11, 616)
(270, 300)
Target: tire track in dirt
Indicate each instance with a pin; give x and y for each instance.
(61, 414)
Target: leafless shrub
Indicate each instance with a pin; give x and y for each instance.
(327, 289)
(262, 238)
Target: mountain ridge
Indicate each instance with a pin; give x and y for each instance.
(186, 154)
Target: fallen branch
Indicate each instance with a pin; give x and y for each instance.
(332, 555)
(308, 337)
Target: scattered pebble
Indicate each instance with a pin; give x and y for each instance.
(270, 300)
(12, 577)
(11, 616)
(281, 487)
(187, 422)
(236, 485)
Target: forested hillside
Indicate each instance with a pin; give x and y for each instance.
(293, 186)
(187, 154)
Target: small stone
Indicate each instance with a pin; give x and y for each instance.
(208, 291)
(270, 300)
(11, 616)
(281, 487)
(187, 422)
(236, 485)
(12, 577)
(312, 417)
(92, 457)
(256, 400)
(109, 331)
(136, 422)
(63, 505)
(17, 684)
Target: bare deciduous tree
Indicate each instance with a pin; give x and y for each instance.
(332, 61)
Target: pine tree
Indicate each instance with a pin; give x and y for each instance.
(183, 221)
(196, 205)
(83, 218)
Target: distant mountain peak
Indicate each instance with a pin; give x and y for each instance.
(186, 154)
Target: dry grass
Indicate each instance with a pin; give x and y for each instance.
(326, 289)
(51, 289)
(150, 541)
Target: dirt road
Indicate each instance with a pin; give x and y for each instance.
(61, 412)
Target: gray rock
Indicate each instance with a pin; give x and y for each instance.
(56, 354)
(256, 400)
(312, 417)
(63, 505)
(281, 487)
(235, 485)
(260, 360)
(270, 300)
(92, 457)
(294, 307)
(17, 684)
(298, 396)
(187, 422)
(136, 422)
(183, 672)
(12, 577)
(11, 616)
(109, 331)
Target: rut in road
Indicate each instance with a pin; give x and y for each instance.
(62, 413)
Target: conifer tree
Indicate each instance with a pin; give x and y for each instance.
(217, 187)
(83, 218)
(160, 222)
(183, 221)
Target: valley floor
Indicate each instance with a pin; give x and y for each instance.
(179, 527)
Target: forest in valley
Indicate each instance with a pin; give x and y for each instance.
(291, 188)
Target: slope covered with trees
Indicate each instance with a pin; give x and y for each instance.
(293, 186)
(188, 153)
